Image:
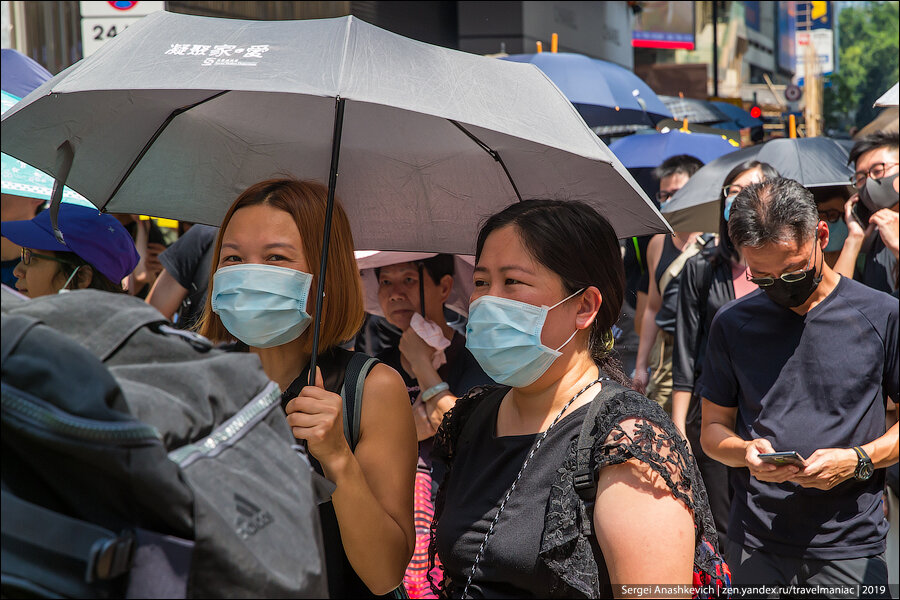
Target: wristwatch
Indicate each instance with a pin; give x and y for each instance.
(864, 467)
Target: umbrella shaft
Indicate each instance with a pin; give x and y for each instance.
(329, 209)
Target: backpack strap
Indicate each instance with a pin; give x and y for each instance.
(14, 329)
(352, 392)
(585, 483)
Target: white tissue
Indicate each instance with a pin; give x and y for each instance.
(431, 333)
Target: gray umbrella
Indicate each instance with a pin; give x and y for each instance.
(814, 162)
(179, 114)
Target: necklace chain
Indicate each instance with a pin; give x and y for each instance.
(509, 492)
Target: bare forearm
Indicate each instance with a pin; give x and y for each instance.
(649, 331)
(723, 445)
(884, 450)
(681, 400)
(375, 543)
(846, 262)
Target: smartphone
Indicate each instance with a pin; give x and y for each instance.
(780, 459)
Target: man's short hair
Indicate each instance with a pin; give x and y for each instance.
(681, 163)
(436, 267)
(873, 141)
(772, 211)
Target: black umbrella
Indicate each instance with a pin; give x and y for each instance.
(814, 162)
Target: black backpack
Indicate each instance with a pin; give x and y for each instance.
(138, 461)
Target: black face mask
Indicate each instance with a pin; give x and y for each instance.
(879, 193)
(794, 293)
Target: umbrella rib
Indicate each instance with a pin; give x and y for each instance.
(493, 153)
(153, 139)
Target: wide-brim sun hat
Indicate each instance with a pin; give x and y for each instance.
(99, 239)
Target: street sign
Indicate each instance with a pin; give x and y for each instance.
(102, 21)
(823, 42)
(792, 93)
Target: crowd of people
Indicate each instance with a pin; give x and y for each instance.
(506, 452)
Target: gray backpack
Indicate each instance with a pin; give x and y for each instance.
(138, 461)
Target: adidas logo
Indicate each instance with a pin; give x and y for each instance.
(251, 518)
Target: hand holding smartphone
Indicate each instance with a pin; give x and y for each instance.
(780, 459)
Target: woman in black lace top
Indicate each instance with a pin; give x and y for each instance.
(508, 521)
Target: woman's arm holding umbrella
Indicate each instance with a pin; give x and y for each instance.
(373, 499)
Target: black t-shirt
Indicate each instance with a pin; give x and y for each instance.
(188, 261)
(806, 382)
(879, 271)
(482, 472)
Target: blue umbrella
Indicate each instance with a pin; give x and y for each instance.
(736, 115)
(19, 73)
(604, 93)
(650, 150)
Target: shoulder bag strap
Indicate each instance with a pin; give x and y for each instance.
(352, 392)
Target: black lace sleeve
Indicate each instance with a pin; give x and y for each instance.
(444, 450)
(628, 426)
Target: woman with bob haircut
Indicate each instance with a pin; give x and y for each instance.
(509, 522)
(264, 277)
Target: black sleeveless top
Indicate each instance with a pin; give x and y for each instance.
(669, 253)
(343, 582)
(539, 547)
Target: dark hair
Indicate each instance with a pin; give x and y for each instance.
(725, 249)
(772, 211)
(681, 163)
(436, 266)
(99, 281)
(578, 244)
(873, 141)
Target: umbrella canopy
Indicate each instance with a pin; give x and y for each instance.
(736, 115)
(20, 179)
(20, 74)
(695, 111)
(179, 114)
(667, 125)
(814, 162)
(603, 92)
(890, 97)
(650, 150)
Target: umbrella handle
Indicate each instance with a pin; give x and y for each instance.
(329, 210)
(65, 155)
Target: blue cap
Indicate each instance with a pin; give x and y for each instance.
(99, 239)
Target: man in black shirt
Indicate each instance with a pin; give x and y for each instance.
(875, 207)
(804, 364)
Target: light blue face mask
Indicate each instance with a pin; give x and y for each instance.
(729, 200)
(504, 336)
(262, 305)
(837, 235)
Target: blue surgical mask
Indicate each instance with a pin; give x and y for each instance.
(262, 305)
(504, 336)
(837, 235)
(729, 200)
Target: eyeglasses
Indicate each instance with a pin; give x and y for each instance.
(662, 196)
(731, 190)
(27, 255)
(831, 216)
(792, 277)
(876, 171)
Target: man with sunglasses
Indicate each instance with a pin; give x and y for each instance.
(871, 214)
(805, 364)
